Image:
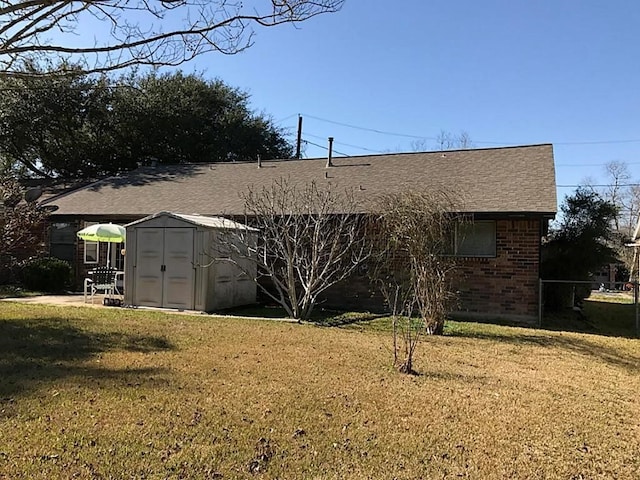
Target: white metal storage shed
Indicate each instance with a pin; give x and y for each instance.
(170, 262)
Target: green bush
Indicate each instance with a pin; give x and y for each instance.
(46, 275)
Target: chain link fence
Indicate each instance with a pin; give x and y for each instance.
(565, 295)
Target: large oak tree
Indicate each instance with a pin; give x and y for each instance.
(81, 126)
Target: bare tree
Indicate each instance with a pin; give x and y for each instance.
(620, 189)
(450, 141)
(633, 207)
(623, 192)
(406, 328)
(141, 32)
(412, 264)
(617, 192)
(310, 238)
(444, 141)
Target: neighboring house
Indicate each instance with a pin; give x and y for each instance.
(634, 274)
(612, 276)
(510, 193)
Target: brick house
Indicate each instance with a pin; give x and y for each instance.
(509, 193)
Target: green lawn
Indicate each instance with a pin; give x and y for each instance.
(116, 393)
(610, 313)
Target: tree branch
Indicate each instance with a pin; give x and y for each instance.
(202, 26)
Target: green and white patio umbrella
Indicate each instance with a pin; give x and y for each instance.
(103, 232)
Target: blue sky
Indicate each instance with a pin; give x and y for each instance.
(505, 71)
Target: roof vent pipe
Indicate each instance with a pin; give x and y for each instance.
(329, 164)
(259, 161)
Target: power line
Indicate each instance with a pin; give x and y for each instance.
(598, 142)
(326, 148)
(345, 144)
(393, 134)
(381, 132)
(422, 137)
(591, 164)
(601, 185)
(287, 118)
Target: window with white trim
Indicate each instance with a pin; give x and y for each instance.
(91, 250)
(475, 239)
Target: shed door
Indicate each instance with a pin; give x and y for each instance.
(149, 260)
(164, 267)
(178, 275)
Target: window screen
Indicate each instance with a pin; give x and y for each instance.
(477, 239)
(62, 243)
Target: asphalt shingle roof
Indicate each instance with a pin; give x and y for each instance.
(492, 180)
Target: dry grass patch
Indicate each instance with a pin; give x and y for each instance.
(111, 393)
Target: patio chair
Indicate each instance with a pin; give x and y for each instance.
(102, 279)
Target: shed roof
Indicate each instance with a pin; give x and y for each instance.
(199, 220)
(508, 179)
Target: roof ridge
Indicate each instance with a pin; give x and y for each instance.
(514, 178)
(371, 155)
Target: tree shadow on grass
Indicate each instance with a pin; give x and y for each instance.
(34, 352)
(582, 346)
(320, 316)
(256, 311)
(332, 318)
(597, 317)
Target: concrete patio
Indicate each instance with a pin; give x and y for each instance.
(68, 300)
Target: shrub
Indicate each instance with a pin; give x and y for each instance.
(559, 296)
(46, 275)
(578, 246)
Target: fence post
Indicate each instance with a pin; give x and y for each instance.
(635, 301)
(540, 304)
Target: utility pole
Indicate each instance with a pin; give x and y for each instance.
(299, 141)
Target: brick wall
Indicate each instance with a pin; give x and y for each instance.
(506, 285)
(502, 286)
